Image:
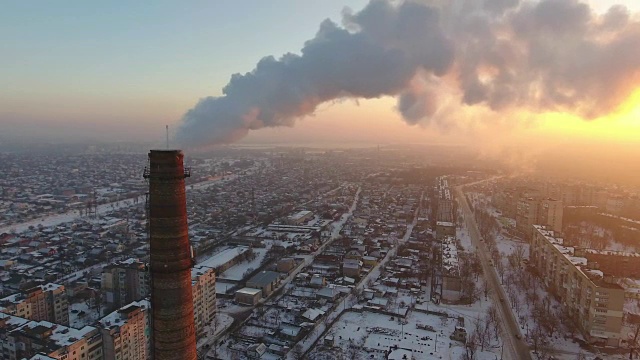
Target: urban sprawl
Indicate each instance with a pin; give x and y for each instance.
(372, 253)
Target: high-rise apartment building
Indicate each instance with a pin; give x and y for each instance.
(123, 283)
(550, 213)
(445, 209)
(590, 297)
(23, 339)
(203, 285)
(126, 332)
(41, 303)
(536, 211)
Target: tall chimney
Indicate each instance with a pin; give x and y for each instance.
(173, 325)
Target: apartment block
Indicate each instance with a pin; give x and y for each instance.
(123, 283)
(536, 211)
(41, 303)
(591, 297)
(451, 282)
(203, 282)
(621, 264)
(23, 339)
(445, 209)
(126, 332)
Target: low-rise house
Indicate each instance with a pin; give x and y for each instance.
(267, 281)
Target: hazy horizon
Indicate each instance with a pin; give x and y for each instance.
(121, 72)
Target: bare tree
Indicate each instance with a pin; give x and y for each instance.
(470, 348)
(492, 319)
(538, 339)
(633, 343)
(518, 253)
(298, 352)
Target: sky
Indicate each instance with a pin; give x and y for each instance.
(122, 70)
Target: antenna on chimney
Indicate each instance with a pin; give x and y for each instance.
(167, 128)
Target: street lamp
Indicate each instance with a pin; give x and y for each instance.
(435, 344)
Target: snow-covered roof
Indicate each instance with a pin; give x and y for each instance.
(224, 257)
(312, 314)
(116, 318)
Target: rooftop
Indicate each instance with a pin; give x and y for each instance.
(248, 291)
(264, 278)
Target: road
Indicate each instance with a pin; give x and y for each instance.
(518, 349)
(308, 259)
(311, 339)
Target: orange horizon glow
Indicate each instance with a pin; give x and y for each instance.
(622, 125)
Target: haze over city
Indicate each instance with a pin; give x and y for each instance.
(362, 179)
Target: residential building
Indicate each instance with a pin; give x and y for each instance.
(351, 268)
(451, 282)
(203, 281)
(41, 303)
(536, 211)
(588, 295)
(123, 283)
(445, 210)
(550, 213)
(125, 332)
(21, 338)
(621, 264)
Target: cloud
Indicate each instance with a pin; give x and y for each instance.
(549, 55)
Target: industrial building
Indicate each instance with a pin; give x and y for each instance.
(590, 296)
(267, 281)
(248, 296)
(300, 217)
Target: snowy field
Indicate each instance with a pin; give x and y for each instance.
(369, 335)
(237, 272)
(211, 331)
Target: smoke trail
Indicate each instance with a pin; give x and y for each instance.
(543, 55)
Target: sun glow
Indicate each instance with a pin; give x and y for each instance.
(622, 125)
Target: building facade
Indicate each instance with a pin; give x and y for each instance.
(203, 282)
(536, 211)
(126, 332)
(620, 264)
(590, 297)
(21, 338)
(41, 303)
(123, 283)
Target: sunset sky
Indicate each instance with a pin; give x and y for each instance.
(121, 70)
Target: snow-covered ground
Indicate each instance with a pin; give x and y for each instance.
(525, 291)
(71, 215)
(369, 335)
(237, 271)
(211, 332)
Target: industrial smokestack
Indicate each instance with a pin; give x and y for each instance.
(171, 261)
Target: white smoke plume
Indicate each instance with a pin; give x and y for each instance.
(539, 55)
